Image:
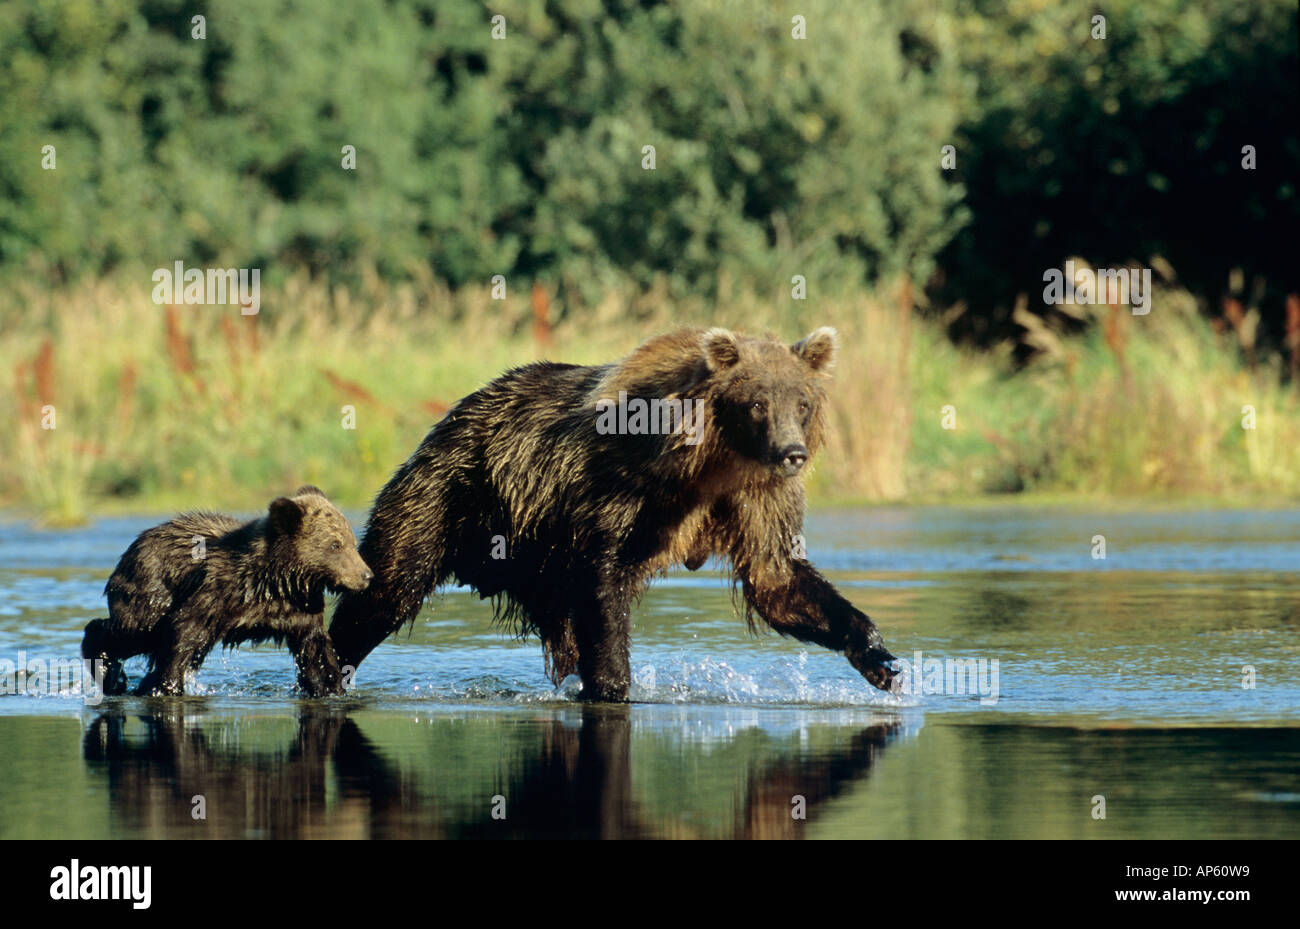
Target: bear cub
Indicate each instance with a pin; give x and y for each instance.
(204, 579)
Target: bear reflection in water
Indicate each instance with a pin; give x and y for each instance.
(562, 774)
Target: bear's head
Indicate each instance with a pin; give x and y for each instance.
(317, 540)
(767, 397)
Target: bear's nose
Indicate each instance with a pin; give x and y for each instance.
(793, 457)
(367, 576)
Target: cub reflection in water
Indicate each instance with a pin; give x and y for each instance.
(564, 773)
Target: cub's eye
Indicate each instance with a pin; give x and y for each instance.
(337, 545)
(759, 407)
(804, 407)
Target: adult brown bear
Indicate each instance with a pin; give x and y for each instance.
(558, 490)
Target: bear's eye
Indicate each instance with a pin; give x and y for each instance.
(759, 407)
(337, 545)
(804, 407)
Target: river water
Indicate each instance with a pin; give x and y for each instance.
(1153, 693)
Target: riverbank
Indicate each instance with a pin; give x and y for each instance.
(122, 405)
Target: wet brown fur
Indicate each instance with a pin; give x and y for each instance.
(589, 518)
(255, 581)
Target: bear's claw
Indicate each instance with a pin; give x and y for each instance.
(876, 666)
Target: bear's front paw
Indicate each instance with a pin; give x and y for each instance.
(876, 665)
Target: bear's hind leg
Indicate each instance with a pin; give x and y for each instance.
(175, 655)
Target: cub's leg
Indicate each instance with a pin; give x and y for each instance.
(179, 650)
(108, 641)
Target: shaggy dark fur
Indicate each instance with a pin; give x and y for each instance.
(587, 518)
(257, 581)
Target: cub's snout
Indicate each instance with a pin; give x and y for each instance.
(356, 576)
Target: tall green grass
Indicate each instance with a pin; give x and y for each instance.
(159, 408)
(1136, 406)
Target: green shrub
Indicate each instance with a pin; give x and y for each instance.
(775, 156)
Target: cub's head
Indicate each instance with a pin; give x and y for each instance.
(312, 532)
(767, 396)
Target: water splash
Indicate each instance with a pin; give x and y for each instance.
(785, 682)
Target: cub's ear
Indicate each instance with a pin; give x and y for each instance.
(309, 489)
(286, 515)
(817, 350)
(720, 349)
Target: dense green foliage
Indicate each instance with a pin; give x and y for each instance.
(1129, 147)
(523, 155)
(774, 156)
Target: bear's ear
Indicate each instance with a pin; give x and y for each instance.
(286, 515)
(309, 489)
(817, 350)
(720, 349)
